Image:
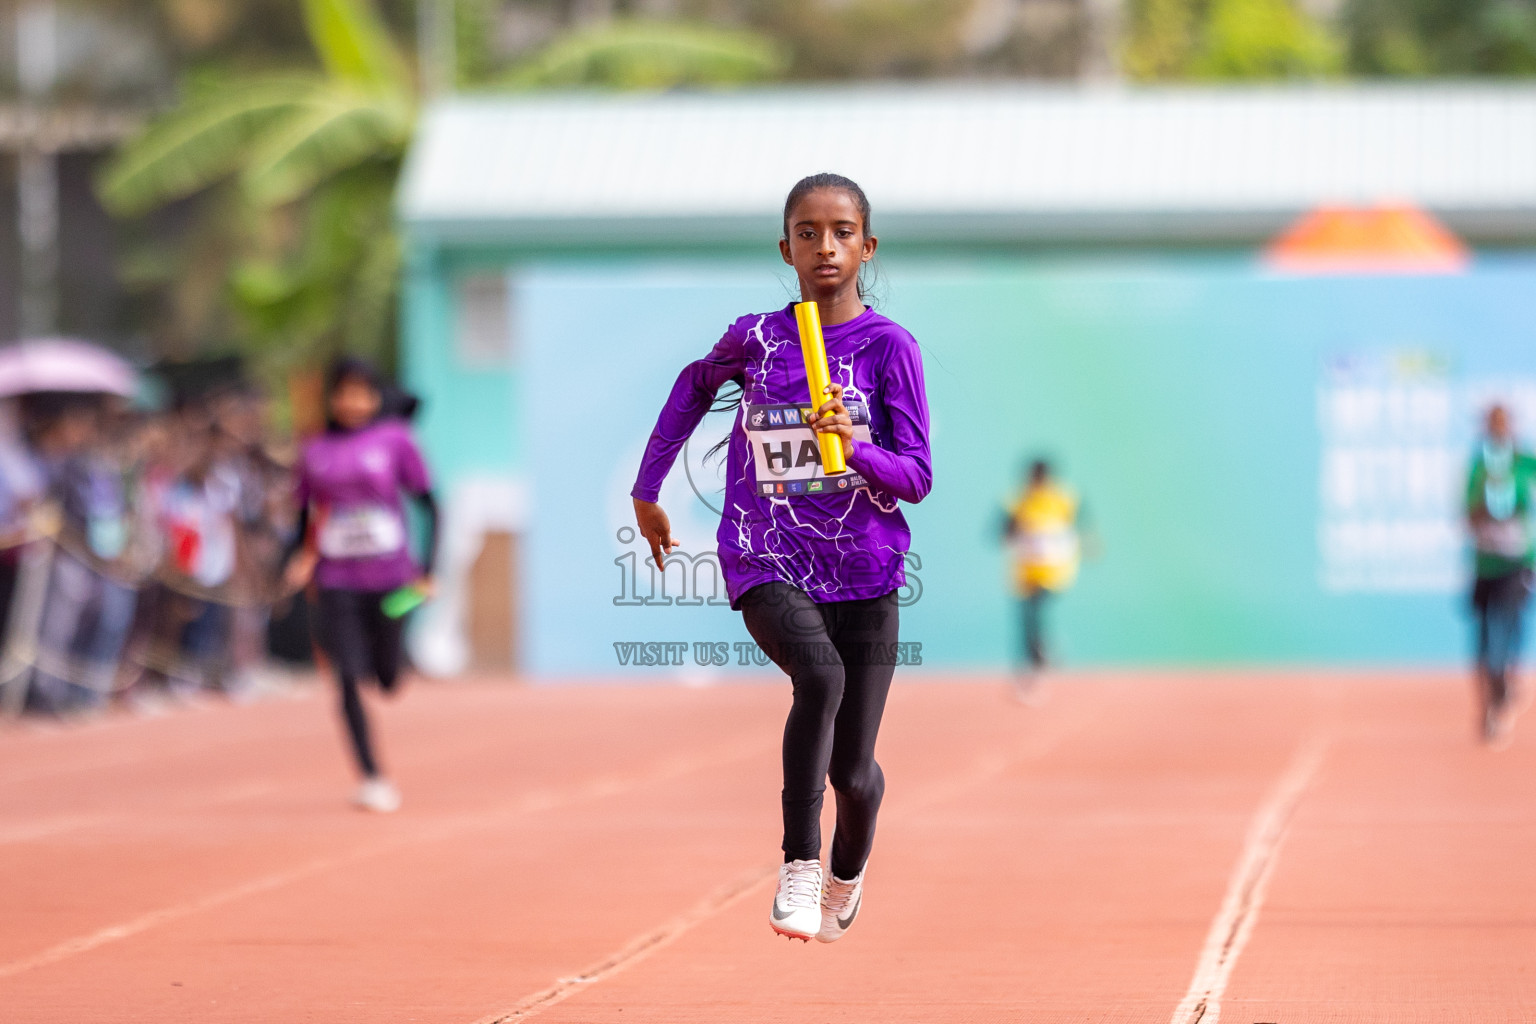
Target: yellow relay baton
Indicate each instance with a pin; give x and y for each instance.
(814, 348)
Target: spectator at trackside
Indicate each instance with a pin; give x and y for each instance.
(198, 508)
(89, 604)
(1498, 510)
(21, 488)
(265, 517)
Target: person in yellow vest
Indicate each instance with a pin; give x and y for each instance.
(1044, 543)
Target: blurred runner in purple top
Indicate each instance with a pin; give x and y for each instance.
(813, 561)
(351, 482)
(354, 481)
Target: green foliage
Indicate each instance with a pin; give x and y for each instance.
(650, 55)
(1170, 40)
(235, 33)
(1442, 37)
(294, 256)
(474, 29)
(1173, 40)
(332, 130)
(867, 38)
(325, 273)
(296, 173)
(1265, 39)
(201, 142)
(1162, 39)
(353, 44)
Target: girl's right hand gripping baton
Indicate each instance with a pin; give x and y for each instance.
(814, 348)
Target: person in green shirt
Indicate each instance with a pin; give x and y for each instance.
(1499, 493)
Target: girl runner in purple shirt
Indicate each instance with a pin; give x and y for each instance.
(813, 562)
(350, 482)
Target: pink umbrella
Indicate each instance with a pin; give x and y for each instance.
(64, 364)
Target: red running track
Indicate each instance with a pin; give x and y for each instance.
(1149, 848)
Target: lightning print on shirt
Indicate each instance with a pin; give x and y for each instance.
(836, 545)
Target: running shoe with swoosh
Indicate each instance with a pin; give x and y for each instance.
(797, 903)
(840, 902)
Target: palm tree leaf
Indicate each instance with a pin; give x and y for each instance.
(371, 300)
(652, 55)
(332, 130)
(354, 44)
(204, 140)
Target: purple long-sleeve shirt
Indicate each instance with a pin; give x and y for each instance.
(354, 480)
(838, 538)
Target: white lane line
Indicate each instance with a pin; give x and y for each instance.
(982, 770)
(127, 929)
(26, 832)
(641, 947)
(1245, 892)
(737, 748)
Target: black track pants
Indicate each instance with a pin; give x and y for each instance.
(362, 643)
(1499, 602)
(1032, 605)
(840, 656)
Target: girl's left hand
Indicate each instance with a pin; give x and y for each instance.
(833, 418)
(300, 570)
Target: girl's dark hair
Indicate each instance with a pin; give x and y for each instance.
(394, 402)
(836, 183)
(353, 368)
(802, 188)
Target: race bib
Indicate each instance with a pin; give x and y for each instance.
(1048, 548)
(1505, 537)
(786, 457)
(366, 531)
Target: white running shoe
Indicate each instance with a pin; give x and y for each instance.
(797, 903)
(840, 903)
(1498, 728)
(1029, 688)
(378, 795)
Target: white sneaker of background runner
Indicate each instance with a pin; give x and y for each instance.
(840, 902)
(378, 795)
(797, 903)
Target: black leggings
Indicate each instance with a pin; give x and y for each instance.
(1500, 605)
(840, 656)
(1032, 605)
(362, 643)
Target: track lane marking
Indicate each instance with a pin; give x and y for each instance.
(739, 747)
(1249, 884)
(639, 948)
(981, 770)
(30, 831)
(144, 922)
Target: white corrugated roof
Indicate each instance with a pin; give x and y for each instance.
(941, 161)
